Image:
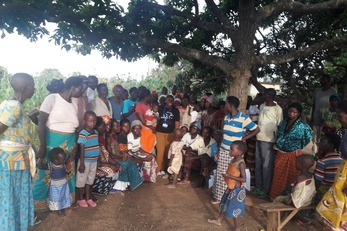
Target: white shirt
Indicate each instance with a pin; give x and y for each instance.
(62, 114)
(99, 107)
(133, 144)
(199, 146)
(90, 93)
(187, 139)
(269, 119)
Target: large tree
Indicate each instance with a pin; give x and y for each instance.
(220, 34)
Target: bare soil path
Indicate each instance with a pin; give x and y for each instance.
(155, 207)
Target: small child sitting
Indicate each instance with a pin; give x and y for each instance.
(232, 203)
(175, 156)
(59, 191)
(88, 140)
(304, 189)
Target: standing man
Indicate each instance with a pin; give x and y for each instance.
(93, 82)
(270, 117)
(320, 100)
(169, 120)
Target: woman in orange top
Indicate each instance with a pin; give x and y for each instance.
(233, 201)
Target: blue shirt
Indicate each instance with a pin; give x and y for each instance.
(235, 127)
(296, 138)
(117, 109)
(91, 145)
(128, 105)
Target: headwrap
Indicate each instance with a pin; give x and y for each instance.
(212, 100)
(297, 106)
(177, 99)
(106, 119)
(136, 123)
(335, 97)
(197, 125)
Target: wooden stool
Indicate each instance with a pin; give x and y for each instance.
(273, 217)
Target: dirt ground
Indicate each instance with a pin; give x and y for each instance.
(155, 207)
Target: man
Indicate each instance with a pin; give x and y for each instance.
(93, 82)
(320, 100)
(270, 117)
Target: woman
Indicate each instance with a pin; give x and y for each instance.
(117, 102)
(212, 117)
(293, 136)
(108, 167)
(234, 127)
(58, 122)
(17, 205)
(333, 205)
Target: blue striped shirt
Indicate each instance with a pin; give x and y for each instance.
(235, 127)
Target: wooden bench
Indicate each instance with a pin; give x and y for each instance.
(273, 210)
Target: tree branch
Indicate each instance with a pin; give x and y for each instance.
(298, 7)
(277, 59)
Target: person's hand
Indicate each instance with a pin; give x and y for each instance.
(81, 168)
(41, 153)
(224, 175)
(244, 139)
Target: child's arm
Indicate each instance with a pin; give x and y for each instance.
(242, 177)
(82, 166)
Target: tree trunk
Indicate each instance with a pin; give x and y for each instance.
(239, 86)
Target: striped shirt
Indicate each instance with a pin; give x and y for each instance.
(235, 127)
(91, 145)
(326, 168)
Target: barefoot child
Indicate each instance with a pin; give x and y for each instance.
(175, 156)
(59, 192)
(232, 203)
(88, 140)
(304, 189)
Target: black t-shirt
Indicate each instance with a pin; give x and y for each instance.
(168, 117)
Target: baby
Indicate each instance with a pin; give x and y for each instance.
(175, 157)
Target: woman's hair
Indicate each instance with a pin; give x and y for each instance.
(99, 121)
(55, 86)
(73, 81)
(333, 139)
(54, 153)
(144, 93)
(343, 106)
(297, 106)
(233, 100)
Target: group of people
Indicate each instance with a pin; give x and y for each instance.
(92, 143)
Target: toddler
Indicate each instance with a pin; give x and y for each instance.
(88, 141)
(59, 192)
(175, 157)
(232, 203)
(152, 115)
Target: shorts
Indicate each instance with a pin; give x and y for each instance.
(88, 176)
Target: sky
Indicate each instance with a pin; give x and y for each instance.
(18, 54)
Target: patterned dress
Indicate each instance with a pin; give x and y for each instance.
(16, 197)
(232, 203)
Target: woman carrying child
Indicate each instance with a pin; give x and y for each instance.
(135, 150)
(108, 167)
(232, 203)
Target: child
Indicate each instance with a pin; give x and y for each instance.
(304, 189)
(175, 157)
(195, 114)
(184, 128)
(152, 115)
(88, 141)
(232, 203)
(328, 162)
(59, 191)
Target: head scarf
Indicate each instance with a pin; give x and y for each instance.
(213, 101)
(297, 106)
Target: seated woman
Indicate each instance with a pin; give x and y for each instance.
(147, 160)
(199, 155)
(329, 160)
(106, 173)
(129, 175)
